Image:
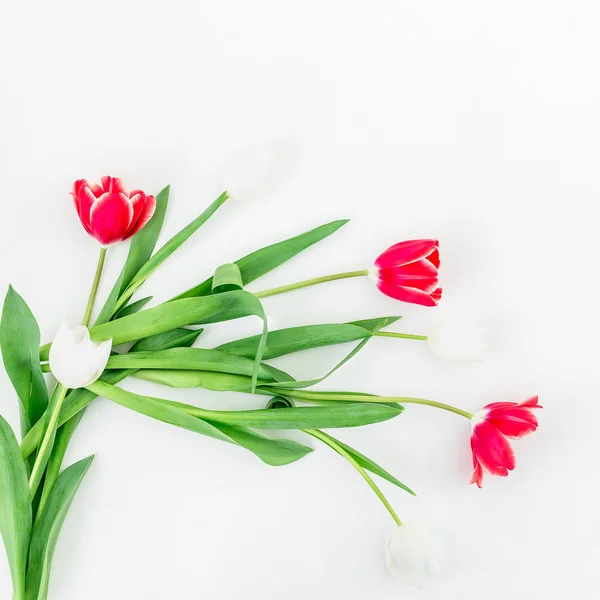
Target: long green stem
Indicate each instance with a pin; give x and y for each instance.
(94, 291)
(332, 444)
(309, 282)
(405, 336)
(45, 446)
(309, 396)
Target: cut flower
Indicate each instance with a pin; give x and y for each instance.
(75, 360)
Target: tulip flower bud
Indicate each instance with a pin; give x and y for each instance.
(408, 271)
(412, 556)
(75, 360)
(459, 341)
(108, 212)
(247, 172)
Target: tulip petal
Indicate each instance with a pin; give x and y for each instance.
(492, 450)
(478, 471)
(112, 185)
(144, 207)
(110, 218)
(405, 253)
(409, 294)
(84, 199)
(75, 360)
(420, 269)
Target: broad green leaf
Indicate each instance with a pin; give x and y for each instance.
(15, 508)
(227, 278)
(266, 259)
(133, 308)
(370, 465)
(141, 249)
(310, 382)
(193, 359)
(144, 242)
(63, 437)
(308, 417)
(48, 436)
(217, 382)
(171, 246)
(20, 340)
(294, 339)
(77, 400)
(46, 532)
(273, 452)
(190, 311)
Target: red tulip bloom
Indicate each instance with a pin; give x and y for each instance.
(491, 428)
(108, 212)
(408, 271)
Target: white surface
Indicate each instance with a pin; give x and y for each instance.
(475, 122)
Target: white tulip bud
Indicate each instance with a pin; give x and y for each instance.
(412, 556)
(247, 173)
(75, 360)
(459, 341)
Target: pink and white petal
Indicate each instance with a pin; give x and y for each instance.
(147, 212)
(84, 200)
(477, 476)
(419, 269)
(492, 449)
(514, 421)
(110, 218)
(436, 295)
(406, 294)
(405, 253)
(113, 185)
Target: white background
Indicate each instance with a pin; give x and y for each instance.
(474, 122)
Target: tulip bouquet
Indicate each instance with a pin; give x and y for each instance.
(163, 344)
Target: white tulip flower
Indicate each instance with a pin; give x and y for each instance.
(247, 172)
(412, 556)
(459, 341)
(75, 360)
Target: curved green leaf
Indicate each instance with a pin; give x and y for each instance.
(193, 359)
(47, 530)
(227, 278)
(20, 340)
(296, 339)
(15, 507)
(266, 259)
(273, 452)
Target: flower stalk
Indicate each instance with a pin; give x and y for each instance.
(309, 282)
(95, 285)
(328, 441)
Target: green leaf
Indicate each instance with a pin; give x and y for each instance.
(217, 382)
(308, 417)
(370, 465)
(266, 259)
(190, 311)
(59, 449)
(295, 339)
(273, 452)
(47, 530)
(15, 508)
(78, 400)
(140, 250)
(310, 382)
(133, 308)
(227, 278)
(20, 341)
(144, 242)
(193, 359)
(171, 246)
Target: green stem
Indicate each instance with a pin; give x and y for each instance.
(309, 282)
(94, 291)
(332, 444)
(309, 396)
(45, 446)
(405, 336)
